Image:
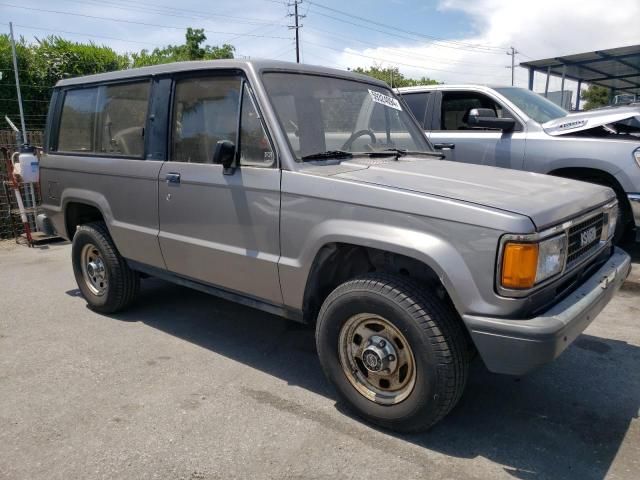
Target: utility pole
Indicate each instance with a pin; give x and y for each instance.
(297, 25)
(15, 71)
(512, 53)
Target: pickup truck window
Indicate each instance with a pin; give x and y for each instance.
(457, 105)
(418, 104)
(322, 113)
(533, 104)
(108, 119)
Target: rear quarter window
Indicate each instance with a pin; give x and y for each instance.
(105, 120)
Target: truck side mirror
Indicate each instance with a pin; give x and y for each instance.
(225, 155)
(486, 118)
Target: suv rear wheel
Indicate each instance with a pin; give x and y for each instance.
(103, 276)
(395, 353)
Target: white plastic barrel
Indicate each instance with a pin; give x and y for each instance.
(27, 166)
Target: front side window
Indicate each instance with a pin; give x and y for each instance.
(105, 120)
(324, 114)
(255, 148)
(205, 111)
(77, 123)
(456, 107)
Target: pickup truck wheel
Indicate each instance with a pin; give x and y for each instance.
(396, 353)
(103, 276)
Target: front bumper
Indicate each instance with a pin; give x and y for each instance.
(634, 201)
(516, 347)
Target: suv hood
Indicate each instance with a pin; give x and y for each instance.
(545, 199)
(619, 119)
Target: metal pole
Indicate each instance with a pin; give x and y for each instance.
(15, 71)
(513, 65)
(564, 71)
(579, 93)
(297, 33)
(546, 85)
(531, 74)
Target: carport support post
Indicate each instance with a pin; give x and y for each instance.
(546, 85)
(531, 73)
(564, 71)
(579, 92)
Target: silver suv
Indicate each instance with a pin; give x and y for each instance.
(515, 128)
(313, 194)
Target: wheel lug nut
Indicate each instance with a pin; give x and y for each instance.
(382, 343)
(391, 358)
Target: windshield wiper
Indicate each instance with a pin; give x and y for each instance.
(327, 155)
(401, 152)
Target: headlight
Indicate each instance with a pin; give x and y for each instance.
(636, 155)
(526, 264)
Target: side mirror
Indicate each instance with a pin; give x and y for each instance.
(225, 155)
(486, 118)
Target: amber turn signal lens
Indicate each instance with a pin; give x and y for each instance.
(519, 265)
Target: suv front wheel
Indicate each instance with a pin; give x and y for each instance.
(395, 353)
(103, 276)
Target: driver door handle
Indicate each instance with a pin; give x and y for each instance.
(444, 146)
(172, 178)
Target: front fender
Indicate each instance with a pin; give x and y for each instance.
(434, 251)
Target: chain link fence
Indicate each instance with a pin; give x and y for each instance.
(10, 222)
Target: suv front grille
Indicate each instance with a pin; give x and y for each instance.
(581, 239)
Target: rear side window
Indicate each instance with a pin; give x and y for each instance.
(105, 120)
(121, 113)
(76, 133)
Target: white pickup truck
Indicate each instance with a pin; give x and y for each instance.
(515, 128)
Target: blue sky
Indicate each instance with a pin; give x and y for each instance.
(456, 41)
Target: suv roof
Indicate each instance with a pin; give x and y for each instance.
(257, 65)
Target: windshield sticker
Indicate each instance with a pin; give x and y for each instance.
(385, 100)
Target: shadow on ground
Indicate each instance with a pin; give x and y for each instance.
(567, 420)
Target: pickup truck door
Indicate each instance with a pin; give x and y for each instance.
(448, 131)
(220, 228)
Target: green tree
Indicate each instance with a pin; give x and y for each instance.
(192, 49)
(41, 64)
(393, 77)
(595, 96)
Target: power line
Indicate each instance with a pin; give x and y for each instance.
(133, 22)
(393, 62)
(512, 53)
(442, 42)
(155, 11)
(405, 54)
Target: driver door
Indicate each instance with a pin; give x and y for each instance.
(460, 142)
(216, 228)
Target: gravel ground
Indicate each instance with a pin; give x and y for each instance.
(186, 386)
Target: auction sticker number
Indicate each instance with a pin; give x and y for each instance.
(385, 100)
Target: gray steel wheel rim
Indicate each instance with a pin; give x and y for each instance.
(395, 380)
(94, 271)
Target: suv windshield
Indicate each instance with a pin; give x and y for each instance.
(533, 104)
(328, 117)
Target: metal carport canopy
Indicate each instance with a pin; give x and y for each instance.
(616, 68)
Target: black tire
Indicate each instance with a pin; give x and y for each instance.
(433, 330)
(123, 283)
